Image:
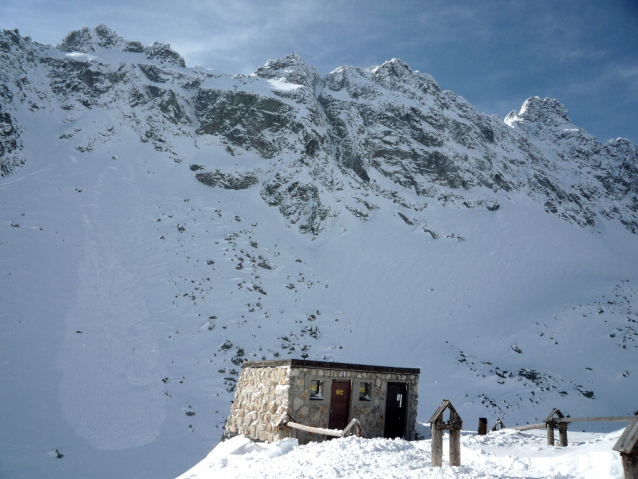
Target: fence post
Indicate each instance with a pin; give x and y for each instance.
(630, 465)
(437, 447)
(454, 425)
(550, 433)
(551, 423)
(482, 426)
(497, 424)
(455, 447)
(562, 433)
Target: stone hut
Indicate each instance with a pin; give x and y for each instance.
(323, 395)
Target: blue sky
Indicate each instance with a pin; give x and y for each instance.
(495, 53)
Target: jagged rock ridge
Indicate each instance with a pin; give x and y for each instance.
(343, 144)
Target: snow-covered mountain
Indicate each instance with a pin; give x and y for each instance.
(160, 224)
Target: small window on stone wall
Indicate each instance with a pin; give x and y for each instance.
(364, 392)
(315, 389)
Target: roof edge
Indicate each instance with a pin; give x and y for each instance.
(301, 363)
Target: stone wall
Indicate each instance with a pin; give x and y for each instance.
(261, 397)
(371, 414)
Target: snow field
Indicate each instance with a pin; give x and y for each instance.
(503, 454)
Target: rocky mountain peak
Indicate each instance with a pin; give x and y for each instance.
(164, 52)
(395, 74)
(87, 40)
(11, 39)
(324, 149)
(541, 111)
(291, 67)
(395, 67)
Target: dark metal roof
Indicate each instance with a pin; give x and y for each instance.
(300, 363)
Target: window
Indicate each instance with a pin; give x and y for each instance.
(364, 392)
(315, 389)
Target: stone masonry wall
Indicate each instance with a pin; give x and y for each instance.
(371, 414)
(261, 397)
(264, 393)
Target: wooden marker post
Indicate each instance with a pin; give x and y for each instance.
(455, 447)
(550, 433)
(438, 425)
(562, 434)
(437, 447)
(551, 422)
(482, 426)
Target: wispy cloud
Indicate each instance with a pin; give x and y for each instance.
(629, 73)
(494, 53)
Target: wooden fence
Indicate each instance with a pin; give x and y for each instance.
(353, 427)
(556, 420)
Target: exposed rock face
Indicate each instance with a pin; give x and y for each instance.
(574, 175)
(399, 123)
(241, 118)
(17, 57)
(292, 68)
(232, 181)
(542, 112)
(89, 40)
(328, 144)
(10, 143)
(102, 37)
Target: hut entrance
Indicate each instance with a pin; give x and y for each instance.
(396, 410)
(339, 405)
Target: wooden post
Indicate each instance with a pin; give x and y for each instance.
(551, 422)
(562, 433)
(627, 446)
(454, 425)
(630, 465)
(497, 424)
(455, 447)
(282, 430)
(437, 447)
(482, 426)
(550, 433)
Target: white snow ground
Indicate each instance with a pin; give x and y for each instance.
(504, 454)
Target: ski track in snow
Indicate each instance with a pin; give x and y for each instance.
(109, 390)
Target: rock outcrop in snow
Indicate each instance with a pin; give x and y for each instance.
(342, 144)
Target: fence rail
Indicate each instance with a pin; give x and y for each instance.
(593, 419)
(353, 427)
(556, 420)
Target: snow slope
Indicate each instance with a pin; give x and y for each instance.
(131, 292)
(501, 454)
